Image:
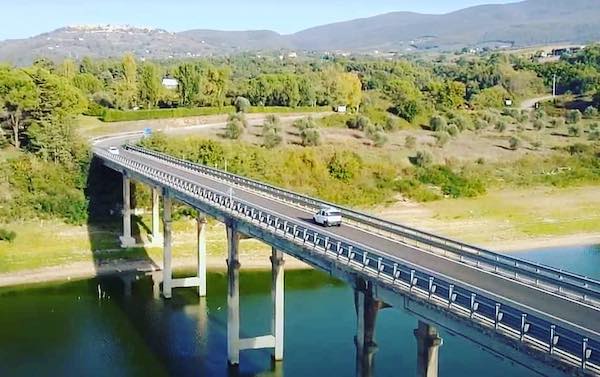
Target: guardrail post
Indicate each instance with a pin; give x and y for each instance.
(524, 326)
(413, 279)
(451, 295)
(432, 287)
(585, 353)
(497, 317)
(553, 338)
(474, 304)
(395, 273)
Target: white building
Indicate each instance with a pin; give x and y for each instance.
(170, 83)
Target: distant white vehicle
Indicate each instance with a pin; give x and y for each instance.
(328, 217)
(113, 150)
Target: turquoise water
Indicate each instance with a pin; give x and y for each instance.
(72, 329)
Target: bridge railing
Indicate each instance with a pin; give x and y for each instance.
(561, 339)
(544, 277)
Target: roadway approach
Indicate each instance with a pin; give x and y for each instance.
(549, 323)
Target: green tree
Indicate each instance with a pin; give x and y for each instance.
(406, 98)
(150, 86)
(67, 69)
(490, 98)
(189, 77)
(18, 97)
(242, 105)
(573, 116)
(87, 83)
(438, 124)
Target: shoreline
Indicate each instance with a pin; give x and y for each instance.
(260, 261)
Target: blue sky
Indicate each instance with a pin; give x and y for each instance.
(24, 18)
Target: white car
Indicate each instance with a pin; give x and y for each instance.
(113, 150)
(328, 217)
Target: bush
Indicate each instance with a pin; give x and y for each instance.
(442, 138)
(594, 135)
(590, 112)
(110, 115)
(391, 124)
(539, 114)
(344, 166)
(573, 116)
(240, 117)
(438, 124)
(501, 126)
(422, 159)
(514, 143)
(234, 129)
(463, 123)
(558, 122)
(575, 130)
(305, 123)
(242, 105)
(311, 137)
(481, 124)
(359, 122)
(271, 124)
(410, 142)
(539, 125)
(7, 235)
(453, 130)
(272, 139)
(451, 183)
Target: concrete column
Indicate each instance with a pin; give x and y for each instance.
(201, 222)
(233, 296)
(126, 239)
(156, 237)
(428, 344)
(277, 295)
(366, 316)
(167, 267)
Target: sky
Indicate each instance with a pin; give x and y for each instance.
(25, 18)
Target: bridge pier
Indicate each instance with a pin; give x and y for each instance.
(156, 239)
(126, 239)
(167, 244)
(367, 308)
(235, 344)
(428, 344)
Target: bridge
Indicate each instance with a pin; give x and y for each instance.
(543, 318)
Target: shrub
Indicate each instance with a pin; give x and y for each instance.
(539, 114)
(7, 235)
(305, 123)
(558, 122)
(422, 159)
(579, 149)
(359, 122)
(463, 123)
(575, 130)
(539, 125)
(438, 124)
(536, 144)
(452, 184)
(240, 117)
(272, 124)
(344, 166)
(514, 143)
(481, 124)
(311, 137)
(379, 139)
(410, 142)
(234, 129)
(573, 116)
(590, 112)
(594, 135)
(242, 105)
(501, 126)
(442, 138)
(271, 139)
(453, 130)
(110, 115)
(391, 123)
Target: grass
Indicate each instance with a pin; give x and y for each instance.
(43, 244)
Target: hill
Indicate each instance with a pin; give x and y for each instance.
(526, 23)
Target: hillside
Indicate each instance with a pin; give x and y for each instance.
(526, 23)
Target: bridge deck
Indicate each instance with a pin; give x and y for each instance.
(557, 306)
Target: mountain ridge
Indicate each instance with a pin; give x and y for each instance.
(526, 23)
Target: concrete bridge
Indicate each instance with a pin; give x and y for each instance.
(543, 318)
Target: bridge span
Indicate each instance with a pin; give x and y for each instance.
(544, 318)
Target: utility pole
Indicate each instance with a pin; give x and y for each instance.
(554, 86)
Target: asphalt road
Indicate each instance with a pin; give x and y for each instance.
(559, 307)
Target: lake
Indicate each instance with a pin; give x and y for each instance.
(93, 328)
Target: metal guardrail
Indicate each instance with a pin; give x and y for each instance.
(541, 331)
(544, 277)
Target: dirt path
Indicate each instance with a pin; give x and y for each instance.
(530, 103)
